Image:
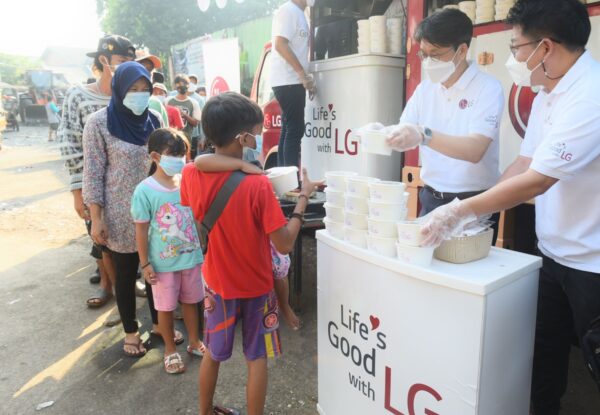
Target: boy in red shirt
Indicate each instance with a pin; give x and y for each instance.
(237, 267)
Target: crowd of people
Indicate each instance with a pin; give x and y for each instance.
(153, 171)
(128, 143)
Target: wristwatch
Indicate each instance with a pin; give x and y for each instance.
(426, 134)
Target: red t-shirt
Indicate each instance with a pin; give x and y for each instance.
(238, 263)
(174, 115)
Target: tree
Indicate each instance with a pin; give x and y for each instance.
(13, 67)
(158, 25)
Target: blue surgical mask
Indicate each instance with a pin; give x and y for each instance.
(259, 146)
(137, 102)
(172, 165)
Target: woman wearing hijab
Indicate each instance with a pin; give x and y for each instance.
(115, 161)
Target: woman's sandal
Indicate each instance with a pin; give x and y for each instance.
(197, 351)
(137, 345)
(99, 298)
(174, 364)
(178, 339)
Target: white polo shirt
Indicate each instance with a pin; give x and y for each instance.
(289, 22)
(473, 105)
(563, 141)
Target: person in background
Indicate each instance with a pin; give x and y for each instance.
(559, 166)
(158, 77)
(168, 243)
(289, 79)
(150, 62)
(115, 161)
(79, 103)
(198, 142)
(241, 284)
(159, 91)
(453, 116)
(189, 108)
(201, 91)
(52, 112)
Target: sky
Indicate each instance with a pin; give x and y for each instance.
(29, 26)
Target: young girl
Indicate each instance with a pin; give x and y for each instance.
(168, 243)
(280, 262)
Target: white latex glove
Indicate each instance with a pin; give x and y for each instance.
(446, 221)
(404, 137)
(308, 82)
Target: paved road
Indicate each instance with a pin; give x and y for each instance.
(53, 348)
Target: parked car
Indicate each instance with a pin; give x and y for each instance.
(263, 95)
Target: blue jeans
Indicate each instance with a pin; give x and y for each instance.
(292, 99)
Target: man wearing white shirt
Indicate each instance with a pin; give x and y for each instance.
(559, 165)
(453, 115)
(289, 79)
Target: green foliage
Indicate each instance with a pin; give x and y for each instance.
(13, 67)
(158, 24)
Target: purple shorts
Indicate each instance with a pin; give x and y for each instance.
(260, 323)
(185, 286)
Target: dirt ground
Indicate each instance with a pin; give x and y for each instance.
(53, 348)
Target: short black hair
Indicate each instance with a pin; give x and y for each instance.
(201, 89)
(447, 27)
(167, 141)
(158, 77)
(226, 115)
(193, 76)
(181, 77)
(564, 21)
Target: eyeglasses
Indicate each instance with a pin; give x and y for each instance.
(515, 48)
(434, 57)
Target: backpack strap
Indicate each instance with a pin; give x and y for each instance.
(217, 206)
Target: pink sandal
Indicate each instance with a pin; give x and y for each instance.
(174, 364)
(197, 351)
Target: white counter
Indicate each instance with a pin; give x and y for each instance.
(400, 339)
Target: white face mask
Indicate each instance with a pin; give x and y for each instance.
(439, 71)
(519, 71)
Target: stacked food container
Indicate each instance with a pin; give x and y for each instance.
(379, 34)
(468, 8)
(502, 8)
(371, 214)
(484, 11)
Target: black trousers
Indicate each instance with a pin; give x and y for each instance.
(430, 202)
(568, 301)
(126, 268)
(292, 100)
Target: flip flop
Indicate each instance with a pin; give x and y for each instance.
(99, 298)
(221, 410)
(178, 339)
(137, 346)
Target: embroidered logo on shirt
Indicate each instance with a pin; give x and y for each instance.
(464, 104)
(560, 151)
(492, 120)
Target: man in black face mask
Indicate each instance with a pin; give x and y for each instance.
(189, 108)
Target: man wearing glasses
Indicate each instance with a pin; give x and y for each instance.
(453, 115)
(559, 165)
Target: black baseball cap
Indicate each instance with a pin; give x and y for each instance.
(114, 45)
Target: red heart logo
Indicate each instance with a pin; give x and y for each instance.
(374, 322)
(330, 107)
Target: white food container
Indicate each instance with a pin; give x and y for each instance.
(359, 186)
(337, 179)
(335, 213)
(283, 179)
(382, 228)
(388, 192)
(335, 229)
(356, 204)
(382, 246)
(334, 197)
(356, 220)
(387, 211)
(374, 142)
(409, 233)
(415, 255)
(356, 237)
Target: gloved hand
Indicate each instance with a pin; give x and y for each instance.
(404, 137)
(447, 221)
(308, 82)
